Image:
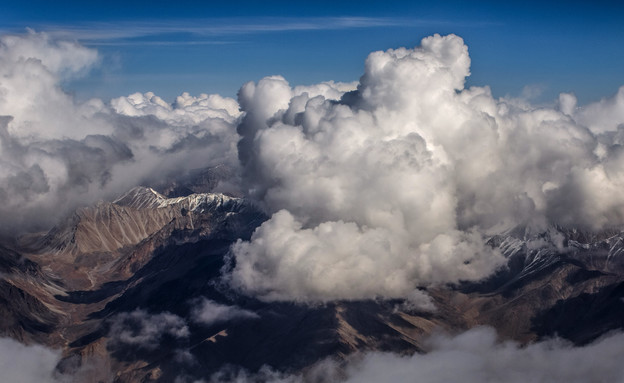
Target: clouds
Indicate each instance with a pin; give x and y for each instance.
(35, 363)
(395, 185)
(186, 110)
(477, 356)
(375, 188)
(474, 356)
(339, 260)
(21, 363)
(209, 312)
(141, 329)
(606, 115)
(32, 67)
(212, 30)
(364, 204)
(57, 154)
(406, 78)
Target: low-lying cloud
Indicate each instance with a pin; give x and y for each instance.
(209, 312)
(477, 356)
(20, 363)
(474, 356)
(144, 330)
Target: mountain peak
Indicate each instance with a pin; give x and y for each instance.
(141, 197)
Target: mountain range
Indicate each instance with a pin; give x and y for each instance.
(138, 288)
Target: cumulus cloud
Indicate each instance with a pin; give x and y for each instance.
(57, 154)
(474, 356)
(363, 205)
(604, 116)
(187, 110)
(32, 67)
(142, 329)
(209, 312)
(396, 184)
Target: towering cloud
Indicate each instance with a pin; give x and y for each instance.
(57, 154)
(394, 185)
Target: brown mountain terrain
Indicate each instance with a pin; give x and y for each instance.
(97, 284)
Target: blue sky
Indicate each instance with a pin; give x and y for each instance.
(214, 47)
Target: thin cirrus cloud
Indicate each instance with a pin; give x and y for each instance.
(136, 32)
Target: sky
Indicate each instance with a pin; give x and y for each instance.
(531, 49)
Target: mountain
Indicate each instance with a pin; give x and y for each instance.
(135, 287)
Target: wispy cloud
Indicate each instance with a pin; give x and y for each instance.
(211, 31)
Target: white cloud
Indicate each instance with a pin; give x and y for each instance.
(20, 363)
(605, 115)
(395, 186)
(141, 329)
(474, 356)
(477, 356)
(362, 205)
(211, 30)
(187, 110)
(339, 260)
(31, 68)
(57, 154)
(209, 312)
(391, 188)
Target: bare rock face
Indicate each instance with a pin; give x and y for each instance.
(122, 285)
(113, 239)
(54, 281)
(547, 271)
(138, 214)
